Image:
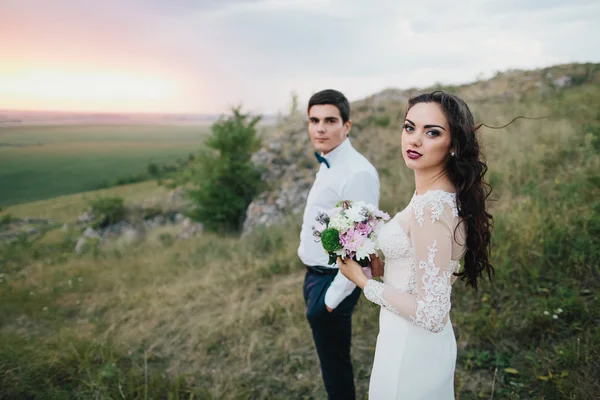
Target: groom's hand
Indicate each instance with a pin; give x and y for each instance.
(376, 265)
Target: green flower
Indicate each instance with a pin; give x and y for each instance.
(330, 238)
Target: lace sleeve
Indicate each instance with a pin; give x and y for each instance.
(431, 237)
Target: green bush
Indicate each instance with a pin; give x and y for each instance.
(593, 130)
(107, 210)
(166, 239)
(129, 179)
(153, 169)
(224, 179)
(382, 120)
(6, 219)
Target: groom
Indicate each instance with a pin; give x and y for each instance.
(344, 174)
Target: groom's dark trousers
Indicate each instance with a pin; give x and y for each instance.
(332, 332)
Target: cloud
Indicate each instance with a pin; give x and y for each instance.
(519, 6)
(258, 51)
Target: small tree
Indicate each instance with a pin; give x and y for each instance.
(225, 180)
(107, 211)
(294, 109)
(153, 170)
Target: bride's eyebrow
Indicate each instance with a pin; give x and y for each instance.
(434, 126)
(426, 126)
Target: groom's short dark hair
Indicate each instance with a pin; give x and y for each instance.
(333, 97)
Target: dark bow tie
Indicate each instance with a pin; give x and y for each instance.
(321, 159)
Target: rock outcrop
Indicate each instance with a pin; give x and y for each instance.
(290, 168)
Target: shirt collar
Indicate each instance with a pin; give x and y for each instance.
(338, 151)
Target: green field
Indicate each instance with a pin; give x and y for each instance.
(42, 162)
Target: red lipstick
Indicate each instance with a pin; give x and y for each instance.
(413, 155)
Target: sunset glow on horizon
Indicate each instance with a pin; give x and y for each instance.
(205, 56)
(87, 90)
(80, 56)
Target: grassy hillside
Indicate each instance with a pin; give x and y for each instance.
(42, 162)
(69, 207)
(223, 317)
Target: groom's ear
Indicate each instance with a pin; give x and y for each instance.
(347, 126)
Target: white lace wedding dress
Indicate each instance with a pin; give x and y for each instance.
(415, 355)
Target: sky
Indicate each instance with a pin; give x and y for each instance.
(205, 56)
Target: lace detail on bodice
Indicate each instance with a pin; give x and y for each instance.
(396, 247)
(394, 242)
(435, 199)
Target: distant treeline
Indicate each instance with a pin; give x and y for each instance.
(153, 171)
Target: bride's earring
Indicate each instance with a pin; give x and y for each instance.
(452, 154)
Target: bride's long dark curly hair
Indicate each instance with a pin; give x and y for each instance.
(466, 170)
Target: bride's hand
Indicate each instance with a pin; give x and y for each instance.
(376, 265)
(353, 271)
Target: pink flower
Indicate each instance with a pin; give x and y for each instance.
(352, 239)
(345, 237)
(364, 228)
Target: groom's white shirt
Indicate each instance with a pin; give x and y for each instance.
(350, 177)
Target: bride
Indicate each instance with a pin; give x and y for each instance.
(445, 221)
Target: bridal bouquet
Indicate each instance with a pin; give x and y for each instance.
(350, 230)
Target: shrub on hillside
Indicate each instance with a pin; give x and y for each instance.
(593, 130)
(382, 121)
(107, 210)
(6, 219)
(224, 180)
(153, 169)
(129, 179)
